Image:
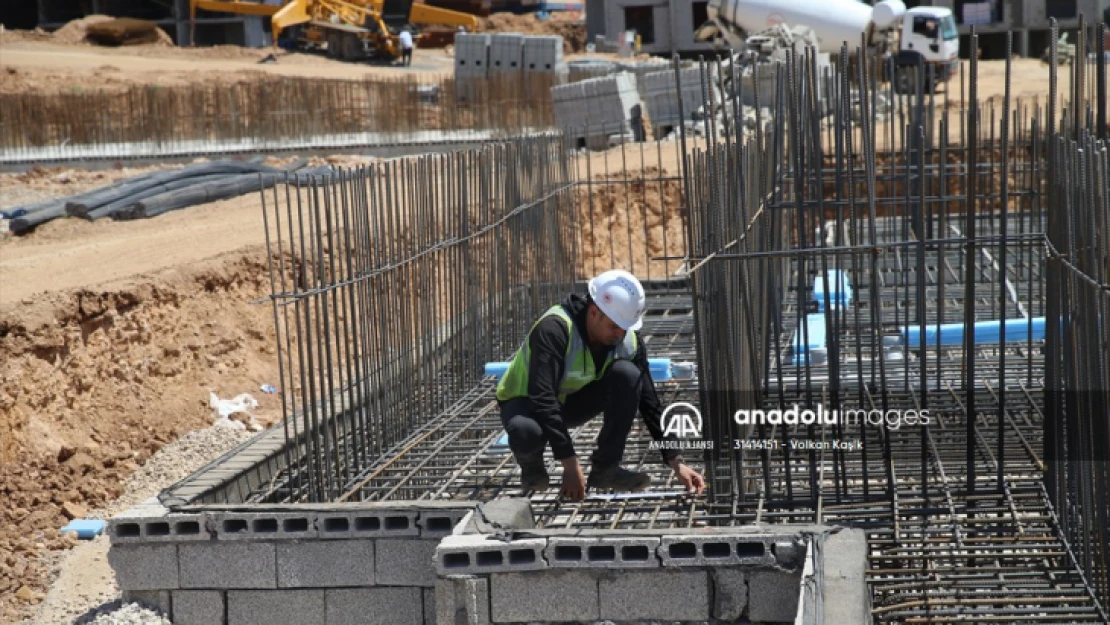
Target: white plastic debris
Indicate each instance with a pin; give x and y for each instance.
(235, 413)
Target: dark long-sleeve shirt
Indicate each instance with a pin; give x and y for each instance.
(548, 346)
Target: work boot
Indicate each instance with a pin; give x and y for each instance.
(533, 473)
(613, 477)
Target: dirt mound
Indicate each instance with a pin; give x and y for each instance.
(127, 32)
(108, 30)
(569, 25)
(95, 381)
(75, 32)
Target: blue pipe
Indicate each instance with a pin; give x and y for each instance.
(986, 332)
(660, 369)
(840, 289)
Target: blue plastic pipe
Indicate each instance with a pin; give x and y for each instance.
(986, 332)
(660, 369)
(840, 289)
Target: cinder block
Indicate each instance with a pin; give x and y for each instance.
(544, 596)
(368, 524)
(845, 576)
(228, 565)
(462, 600)
(129, 528)
(145, 567)
(263, 525)
(661, 594)
(438, 523)
(714, 550)
(320, 563)
(405, 562)
(275, 607)
(488, 517)
(429, 606)
(730, 592)
(158, 600)
(788, 552)
(199, 607)
(609, 552)
(375, 606)
(773, 595)
(472, 554)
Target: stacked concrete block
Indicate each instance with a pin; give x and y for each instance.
(471, 55)
(591, 111)
(585, 69)
(471, 64)
(661, 94)
(506, 53)
(326, 564)
(543, 54)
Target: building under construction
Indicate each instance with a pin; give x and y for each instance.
(890, 330)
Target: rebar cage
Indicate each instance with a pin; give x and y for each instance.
(949, 257)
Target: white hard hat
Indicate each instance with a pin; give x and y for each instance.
(620, 296)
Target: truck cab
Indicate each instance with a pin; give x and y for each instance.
(929, 33)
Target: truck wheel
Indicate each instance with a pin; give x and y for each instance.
(352, 47)
(335, 45)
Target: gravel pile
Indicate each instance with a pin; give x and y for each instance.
(173, 463)
(118, 613)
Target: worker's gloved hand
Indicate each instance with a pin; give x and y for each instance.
(574, 482)
(691, 479)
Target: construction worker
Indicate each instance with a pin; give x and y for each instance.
(582, 357)
(406, 46)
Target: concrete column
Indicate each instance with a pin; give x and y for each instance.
(1023, 42)
(672, 22)
(595, 20)
(181, 17)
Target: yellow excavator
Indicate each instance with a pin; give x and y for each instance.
(350, 30)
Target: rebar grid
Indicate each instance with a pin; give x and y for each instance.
(928, 232)
(383, 339)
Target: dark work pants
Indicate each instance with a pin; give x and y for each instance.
(616, 394)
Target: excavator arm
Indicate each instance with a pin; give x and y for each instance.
(232, 6)
(427, 15)
(293, 13)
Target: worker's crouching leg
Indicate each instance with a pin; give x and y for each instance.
(526, 441)
(617, 396)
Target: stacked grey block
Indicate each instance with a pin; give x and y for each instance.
(585, 69)
(326, 564)
(506, 53)
(591, 111)
(471, 63)
(661, 94)
(738, 574)
(543, 54)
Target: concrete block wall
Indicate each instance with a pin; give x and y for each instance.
(739, 574)
(592, 110)
(327, 564)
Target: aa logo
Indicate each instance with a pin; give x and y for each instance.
(681, 420)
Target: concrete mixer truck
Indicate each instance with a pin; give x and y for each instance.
(888, 29)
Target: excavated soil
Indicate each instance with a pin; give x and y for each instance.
(97, 380)
(569, 24)
(632, 224)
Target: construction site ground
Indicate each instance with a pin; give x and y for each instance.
(112, 334)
